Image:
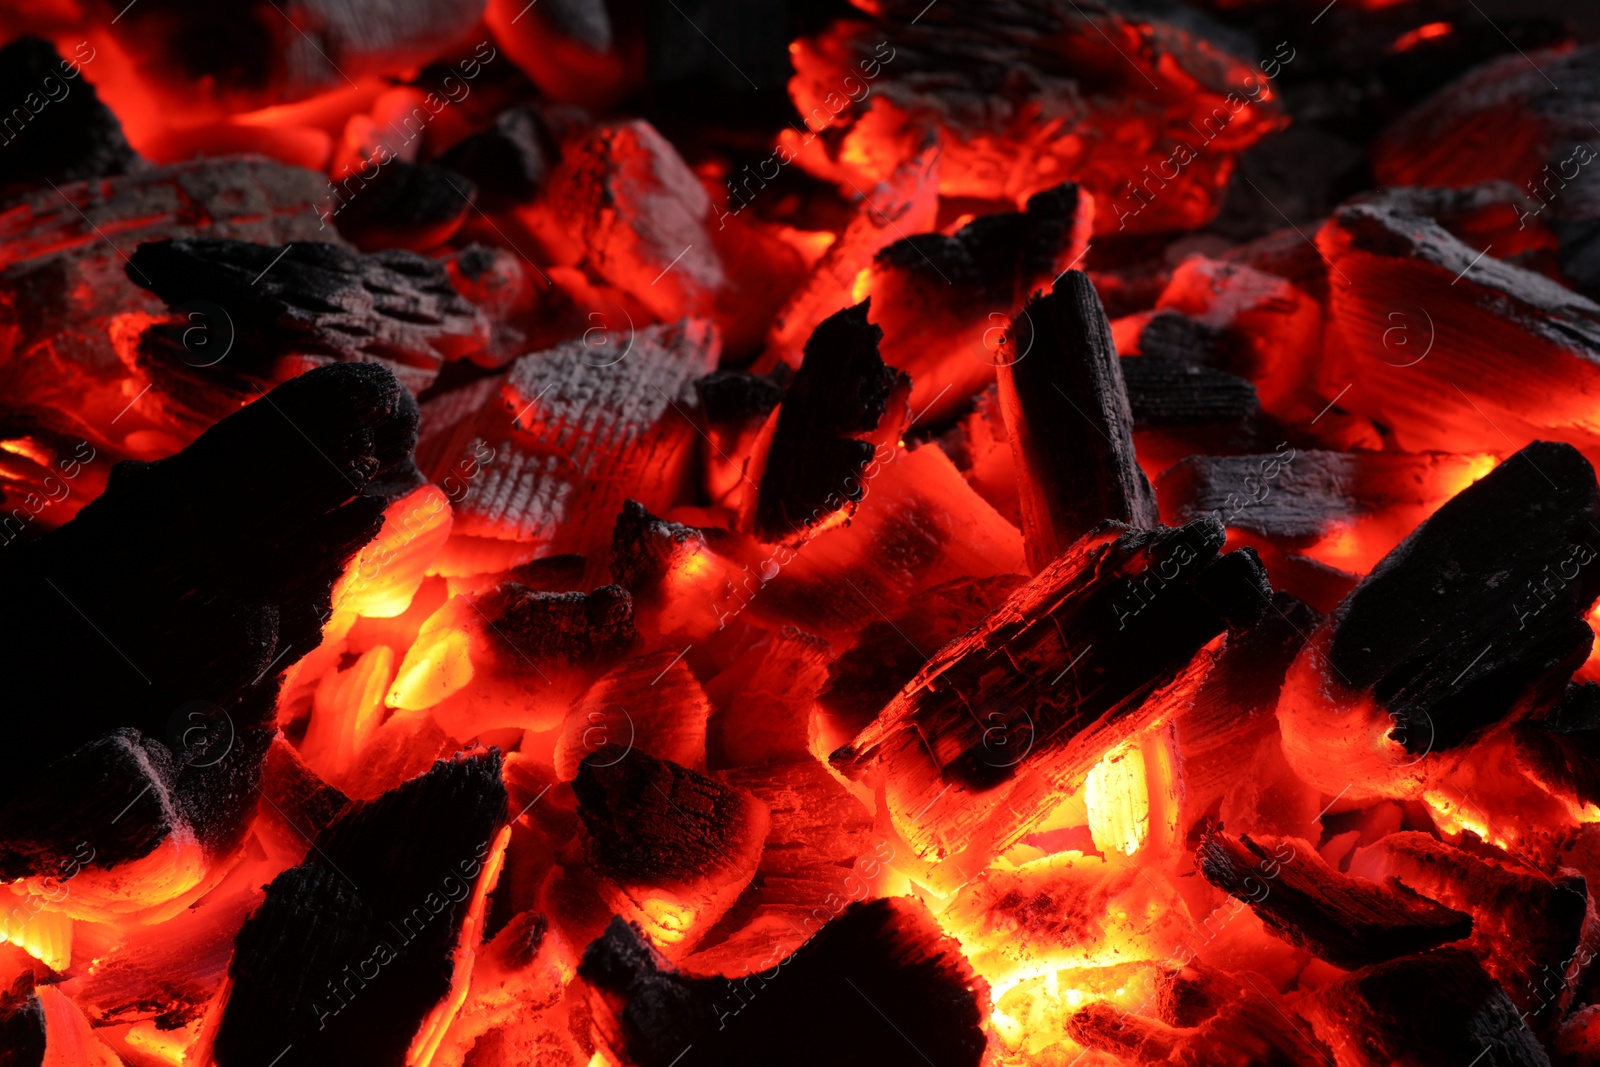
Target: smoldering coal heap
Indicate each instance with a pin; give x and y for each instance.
(684, 533)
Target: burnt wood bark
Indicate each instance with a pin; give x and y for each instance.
(171, 603)
(351, 950)
(844, 402)
(914, 998)
(1348, 921)
(1066, 412)
(1003, 719)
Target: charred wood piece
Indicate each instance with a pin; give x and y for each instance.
(1066, 412)
(1477, 616)
(843, 405)
(1084, 646)
(414, 206)
(507, 162)
(317, 301)
(1348, 921)
(353, 949)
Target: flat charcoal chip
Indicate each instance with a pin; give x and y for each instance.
(315, 300)
(881, 984)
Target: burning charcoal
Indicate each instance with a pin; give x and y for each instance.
(1075, 467)
(820, 856)
(766, 697)
(1527, 928)
(652, 704)
(250, 55)
(644, 549)
(1045, 92)
(575, 432)
(980, 447)
(1562, 750)
(526, 655)
(67, 134)
(356, 955)
(887, 654)
(1452, 349)
(1419, 1011)
(302, 305)
(568, 49)
(49, 832)
(518, 983)
(643, 221)
(1477, 616)
(1579, 1040)
(911, 980)
(1250, 1031)
(736, 406)
(1347, 509)
(671, 847)
(1491, 212)
(506, 162)
(907, 202)
(261, 512)
(1231, 726)
(1580, 255)
(1123, 612)
(56, 263)
(414, 206)
(1506, 120)
(842, 408)
(1348, 921)
(944, 301)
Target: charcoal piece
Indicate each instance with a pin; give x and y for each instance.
(891, 986)
(1529, 928)
(652, 821)
(1450, 347)
(1163, 391)
(171, 603)
(1420, 1011)
(1579, 254)
(57, 130)
(506, 162)
(352, 949)
(1082, 647)
(552, 574)
(1479, 612)
(301, 804)
(318, 301)
(579, 628)
(1066, 413)
(643, 546)
(672, 848)
(65, 284)
(742, 47)
(415, 206)
(843, 404)
(1348, 921)
(116, 804)
(944, 300)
